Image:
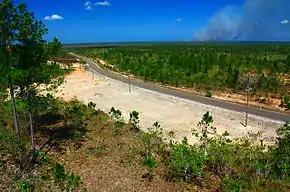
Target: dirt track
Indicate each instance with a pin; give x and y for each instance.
(174, 114)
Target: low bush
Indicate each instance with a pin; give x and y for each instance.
(187, 162)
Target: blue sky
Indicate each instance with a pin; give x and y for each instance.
(126, 20)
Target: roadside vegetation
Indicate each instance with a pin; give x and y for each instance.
(47, 144)
(80, 148)
(261, 68)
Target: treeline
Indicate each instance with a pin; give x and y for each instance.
(213, 66)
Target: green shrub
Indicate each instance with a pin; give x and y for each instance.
(187, 161)
(208, 93)
(66, 181)
(282, 152)
(24, 186)
(116, 116)
(230, 185)
(150, 162)
(91, 105)
(13, 147)
(134, 120)
(156, 130)
(285, 102)
(243, 164)
(238, 159)
(205, 128)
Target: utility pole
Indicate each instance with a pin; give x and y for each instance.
(247, 105)
(129, 80)
(248, 88)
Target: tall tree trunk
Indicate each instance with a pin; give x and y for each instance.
(31, 125)
(15, 119)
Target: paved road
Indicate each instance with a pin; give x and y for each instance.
(200, 99)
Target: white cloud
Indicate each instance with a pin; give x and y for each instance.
(53, 17)
(178, 19)
(284, 22)
(88, 5)
(104, 3)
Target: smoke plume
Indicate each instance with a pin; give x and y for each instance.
(255, 20)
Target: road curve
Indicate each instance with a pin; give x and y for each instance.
(184, 95)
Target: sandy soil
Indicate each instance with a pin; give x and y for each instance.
(174, 114)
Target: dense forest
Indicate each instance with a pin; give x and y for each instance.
(264, 67)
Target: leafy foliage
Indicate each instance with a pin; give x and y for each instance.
(187, 161)
(282, 152)
(285, 102)
(119, 122)
(24, 68)
(11, 145)
(115, 113)
(241, 164)
(134, 120)
(15, 152)
(151, 142)
(208, 93)
(66, 181)
(24, 186)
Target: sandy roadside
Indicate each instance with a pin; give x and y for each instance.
(174, 114)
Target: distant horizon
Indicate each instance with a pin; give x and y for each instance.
(134, 42)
